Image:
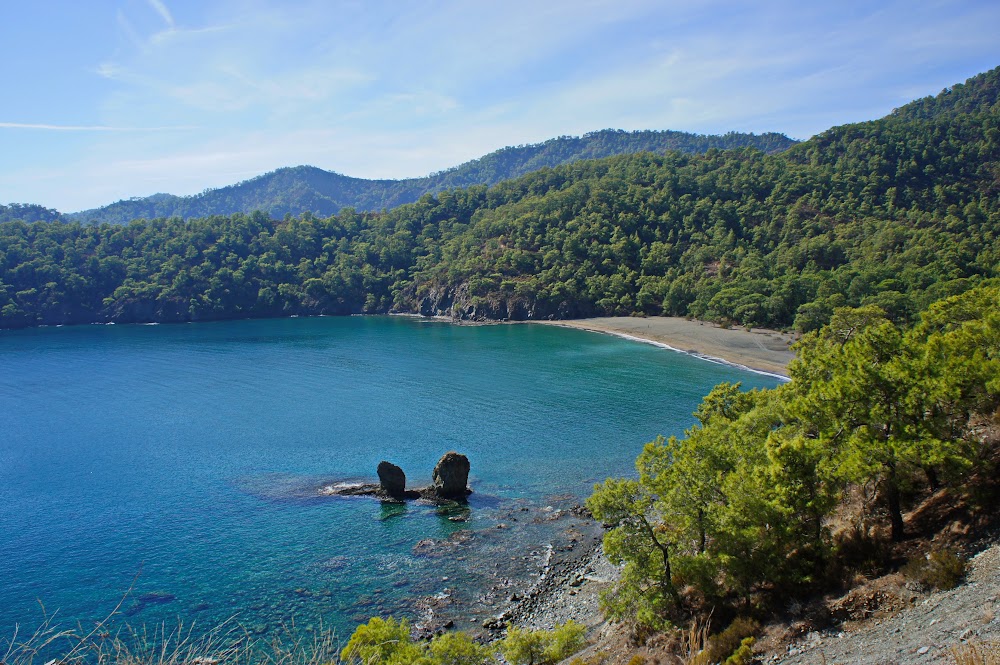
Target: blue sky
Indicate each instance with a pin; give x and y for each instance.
(108, 99)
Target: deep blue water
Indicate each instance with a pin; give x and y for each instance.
(183, 461)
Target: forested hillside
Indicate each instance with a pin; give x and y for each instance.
(27, 213)
(897, 212)
(309, 189)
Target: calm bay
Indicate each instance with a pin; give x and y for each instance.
(180, 464)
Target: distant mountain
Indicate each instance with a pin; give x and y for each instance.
(306, 188)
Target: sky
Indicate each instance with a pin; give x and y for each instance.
(110, 99)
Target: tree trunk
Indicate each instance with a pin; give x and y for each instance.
(666, 583)
(895, 510)
(701, 531)
(932, 478)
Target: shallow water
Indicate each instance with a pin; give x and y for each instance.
(182, 462)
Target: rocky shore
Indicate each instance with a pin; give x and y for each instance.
(517, 562)
(545, 585)
(571, 593)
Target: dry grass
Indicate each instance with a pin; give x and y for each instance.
(693, 641)
(18, 650)
(984, 653)
(226, 644)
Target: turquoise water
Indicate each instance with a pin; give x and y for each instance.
(182, 462)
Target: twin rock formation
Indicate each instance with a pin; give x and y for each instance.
(448, 483)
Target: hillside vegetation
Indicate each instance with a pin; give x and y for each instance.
(897, 213)
(309, 189)
(738, 513)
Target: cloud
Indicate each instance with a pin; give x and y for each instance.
(176, 36)
(131, 34)
(162, 10)
(266, 63)
(91, 128)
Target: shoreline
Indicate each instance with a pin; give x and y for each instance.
(572, 592)
(760, 350)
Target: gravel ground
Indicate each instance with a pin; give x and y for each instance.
(924, 632)
(572, 593)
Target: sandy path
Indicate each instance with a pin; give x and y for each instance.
(760, 349)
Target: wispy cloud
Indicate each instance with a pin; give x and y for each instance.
(176, 36)
(130, 32)
(162, 10)
(92, 128)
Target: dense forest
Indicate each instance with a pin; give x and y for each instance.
(309, 189)
(897, 213)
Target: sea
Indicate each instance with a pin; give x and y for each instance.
(162, 475)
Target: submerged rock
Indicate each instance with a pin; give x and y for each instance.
(451, 476)
(391, 479)
(157, 598)
(145, 600)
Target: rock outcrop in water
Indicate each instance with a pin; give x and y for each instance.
(451, 476)
(449, 484)
(391, 479)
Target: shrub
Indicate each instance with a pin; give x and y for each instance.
(382, 642)
(542, 647)
(459, 649)
(939, 569)
(744, 654)
(733, 646)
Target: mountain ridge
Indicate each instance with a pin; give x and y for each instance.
(298, 189)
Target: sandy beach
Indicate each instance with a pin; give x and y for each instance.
(759, 349)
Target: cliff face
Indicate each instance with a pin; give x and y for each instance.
(460, 303)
